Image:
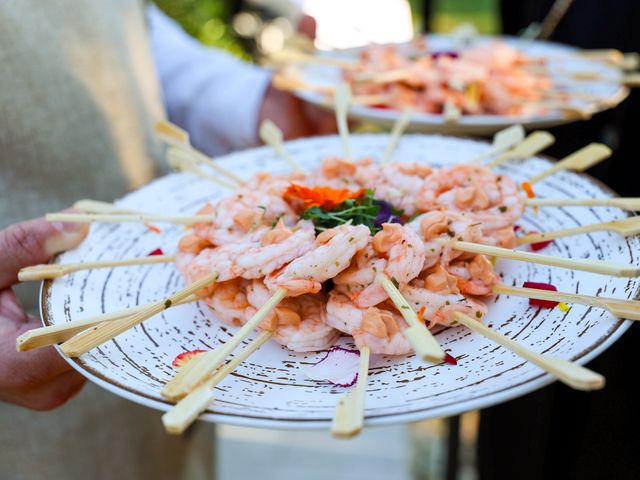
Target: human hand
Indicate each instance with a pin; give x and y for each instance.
(295, 117)
(38, 379)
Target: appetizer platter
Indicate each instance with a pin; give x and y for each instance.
(477, 85)
(338, 280)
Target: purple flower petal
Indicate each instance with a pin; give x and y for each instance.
(444, 53)
(339, 367)
(385, 214)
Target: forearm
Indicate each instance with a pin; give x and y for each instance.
(214, 96)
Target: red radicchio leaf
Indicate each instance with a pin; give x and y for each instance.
(339, 367)
(184, 357)
(449, 359)
(539, 245)
(157, 251)
(541, 286)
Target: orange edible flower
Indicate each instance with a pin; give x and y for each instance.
(526, 186)
(323, 197)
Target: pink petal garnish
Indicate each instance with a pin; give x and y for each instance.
(339, 367)
(541, 286)
(157, 251)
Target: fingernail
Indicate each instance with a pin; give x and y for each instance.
(68, 226)
(70, 236)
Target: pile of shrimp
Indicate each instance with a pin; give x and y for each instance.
(258, 243)
(486, 78)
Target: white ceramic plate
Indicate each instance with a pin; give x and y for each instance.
(477, 124)
(271, 389)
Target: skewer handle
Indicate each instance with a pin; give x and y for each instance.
(55, 270)
(178, 419)
(579, 161)
(628, 309)
(183, 161)
(52, 334)
(569, 373)
(118, 218)
(272, 136)
(626, 228)
(105, 331)
(502, 141)
(396, 133)
(349, 416)
(423, 342)
(196, 371)
(534, 143)
(342, 101)
(631, 204)
(594, 266)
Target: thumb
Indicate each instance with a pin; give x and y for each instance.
(33, 242)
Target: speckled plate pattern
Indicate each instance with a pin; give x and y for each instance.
(271, 388)
(485, 124)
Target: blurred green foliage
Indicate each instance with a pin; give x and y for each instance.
(447, 14)
(206, 20)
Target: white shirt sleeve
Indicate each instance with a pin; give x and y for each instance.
(209, 93)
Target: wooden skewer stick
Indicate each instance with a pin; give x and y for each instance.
(196, 371)
(290, 56)
(105, 331)
(593, 266)
(502, 141)
(348, 419)
(272, 136)
(578, 161)
(96, 206)
(626, 228)
(52, 334)
(396, 133)
(183, 161)
(342, 102)
(450, 112)
(119, 218)
(534, 143)
(54, 270)
(185, 412)
(290, 82)
(423, 342)
(628, 309)
(567, 372)
(176, 136)
(630, 203)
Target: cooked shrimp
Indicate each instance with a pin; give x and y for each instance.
(235, 216)
(228, 301)
(396, 182)
(475, 276)
(298, 323)
(436, 226)
(378, 327)
(404, 253)
(332, 253)
(337, 172)
(439, 307)
(268, 249)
